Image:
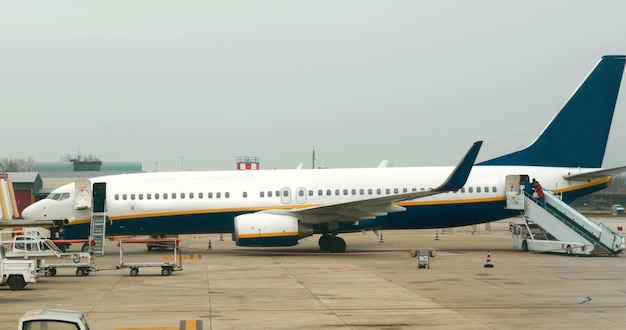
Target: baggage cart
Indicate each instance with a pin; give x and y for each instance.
(167, 267)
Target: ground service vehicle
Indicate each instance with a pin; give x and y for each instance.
(53, 319)
(17, 273)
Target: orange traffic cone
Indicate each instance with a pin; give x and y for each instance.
(488, 264)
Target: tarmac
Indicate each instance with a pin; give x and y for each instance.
(374, 285)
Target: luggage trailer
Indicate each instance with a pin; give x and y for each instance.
(167, 267)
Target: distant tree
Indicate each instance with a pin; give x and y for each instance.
(79, 158)
(17, 164)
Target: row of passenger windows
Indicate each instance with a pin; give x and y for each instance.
(300, 192)
(172, 196)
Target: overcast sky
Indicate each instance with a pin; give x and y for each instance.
(194, 84)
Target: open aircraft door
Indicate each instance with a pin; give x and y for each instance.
(83, 194)
(514, 194)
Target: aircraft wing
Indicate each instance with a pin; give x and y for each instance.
(594, 175)
(379, 206)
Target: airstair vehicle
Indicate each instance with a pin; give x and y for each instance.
(552, 225)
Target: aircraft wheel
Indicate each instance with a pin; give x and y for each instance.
(524, 246)
(85, 247)
(49, 272)
(80, 272)
(166, 271)
(337, 245)
(324, 242)
(134, 271)
(568, 250)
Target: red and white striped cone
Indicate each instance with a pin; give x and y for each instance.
(488, 264)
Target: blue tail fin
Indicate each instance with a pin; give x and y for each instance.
(577, 136)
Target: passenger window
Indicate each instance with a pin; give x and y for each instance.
(470, 190)
(191, 195)
(148, 196)
(395, 190)
(387, 191)
(124, 197)
(336, 192)
(361, 191)
(140, 197)
(182, 195)
(486, 189)
(227, 194)
(370, 191)
(320, 192)
(463, 190)
(210, 195)
(262, 194)
(301, 193)
(494, 189)
(353, 192)
(218, 195)
(245, 194)
(478, 189)
(345, 192)
(328, 192)
(201, 195)
(310, 192)
(378, 191)
(165, 196)
(405, 190)
(156, 196)
(117, 197)
(269, 194)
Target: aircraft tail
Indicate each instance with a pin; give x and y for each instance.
(577, 135)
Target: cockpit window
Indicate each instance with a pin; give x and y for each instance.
(58, 196)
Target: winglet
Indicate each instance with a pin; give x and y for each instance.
(461, 172)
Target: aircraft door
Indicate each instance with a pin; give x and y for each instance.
(285, 195)
(513, 191)
(82, 199)
(99, 197)
(301, 195)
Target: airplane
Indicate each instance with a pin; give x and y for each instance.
(280, 207)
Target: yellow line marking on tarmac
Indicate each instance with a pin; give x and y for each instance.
(191, 325)
(185, 257)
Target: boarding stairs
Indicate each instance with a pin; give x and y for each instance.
(563, 223)
(97, 230)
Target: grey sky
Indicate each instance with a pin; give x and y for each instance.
(415, 82)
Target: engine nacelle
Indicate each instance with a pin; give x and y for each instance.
(264, 229)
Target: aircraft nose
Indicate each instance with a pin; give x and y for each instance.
(31, 212)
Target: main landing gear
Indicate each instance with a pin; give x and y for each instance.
(332, 243)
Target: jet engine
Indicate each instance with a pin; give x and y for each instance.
(265, 229)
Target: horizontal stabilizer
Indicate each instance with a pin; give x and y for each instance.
(593, 175)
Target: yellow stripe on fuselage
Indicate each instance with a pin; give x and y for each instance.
(264, 235)
(412, 203)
